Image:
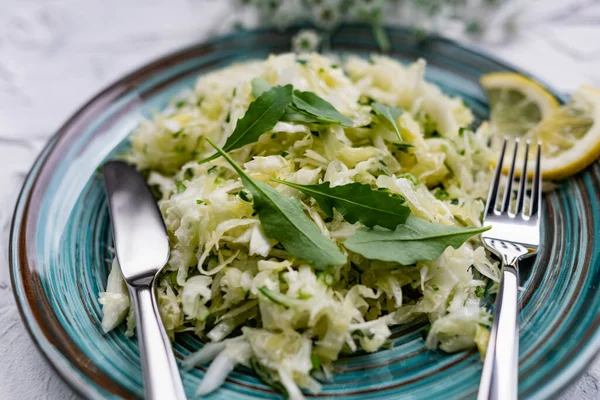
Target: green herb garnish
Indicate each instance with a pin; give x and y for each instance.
(244, 195)
(284, 220)
(315, 360)
(357, 202)
(390, 114)
(261, 116)
(441, 194)
(292, 114)
(306, 107)
(414, 241)
(403, 147)
(317, 107)
(413, 179)
(430, 127)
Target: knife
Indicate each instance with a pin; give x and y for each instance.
(142, 247)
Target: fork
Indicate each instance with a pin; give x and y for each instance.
(514, 235)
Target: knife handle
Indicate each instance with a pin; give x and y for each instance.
(161, 375)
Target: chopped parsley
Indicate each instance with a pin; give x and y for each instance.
(441, 194)
(245, 195)
(403, 147)
(413, 179)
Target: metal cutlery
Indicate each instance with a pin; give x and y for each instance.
(515, 234)
(142, 247)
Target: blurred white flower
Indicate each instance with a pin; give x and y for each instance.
(268, 7)
(327, 15)
(306, 41)
(489, 20)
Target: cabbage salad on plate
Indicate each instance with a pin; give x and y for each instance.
(313, 203)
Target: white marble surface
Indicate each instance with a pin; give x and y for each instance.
(54, 55)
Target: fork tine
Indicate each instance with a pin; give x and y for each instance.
(509, 184)
(522, 182)
(491, 201)
(536, 190)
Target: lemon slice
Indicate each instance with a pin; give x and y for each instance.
(570, 136)
(517, 103)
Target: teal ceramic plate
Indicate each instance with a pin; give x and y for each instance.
(60, 244)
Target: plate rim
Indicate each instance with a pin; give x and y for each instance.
(60, 364)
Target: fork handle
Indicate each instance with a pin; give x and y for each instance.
(499, 379)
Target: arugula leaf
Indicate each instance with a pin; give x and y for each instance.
(283, 219)
(292, 114)
(391, 114)
(307, 107)
(357, 202)
(261, 116)
(317, 107)
(415, 240)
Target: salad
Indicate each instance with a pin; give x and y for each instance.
(313, 203)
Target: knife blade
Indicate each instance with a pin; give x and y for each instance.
(142, 247)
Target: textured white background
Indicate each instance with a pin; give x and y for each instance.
(54, 55)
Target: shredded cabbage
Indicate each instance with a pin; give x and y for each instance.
(240, 290)
(115, 300)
